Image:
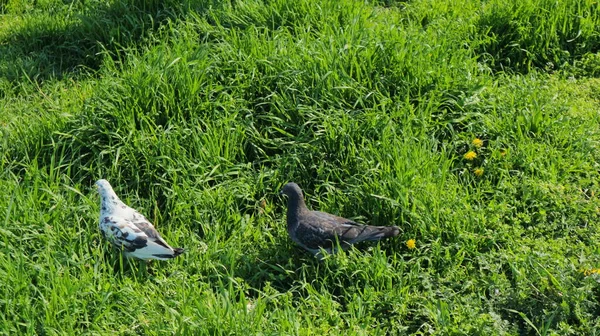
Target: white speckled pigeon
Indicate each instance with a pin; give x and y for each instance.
(314, 230)
(129, 230)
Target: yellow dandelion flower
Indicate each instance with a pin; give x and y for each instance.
(477, 142)
(589, 272)
(411, 244)
(470, 155)
(503, 152)
(478, 171)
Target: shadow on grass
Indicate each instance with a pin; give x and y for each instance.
(278, 266)
(285, 266)
(56, 46)
(523, 37)
(121, 267)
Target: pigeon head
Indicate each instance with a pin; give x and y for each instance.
(106, 191)
(292, 190)
(295, 198)
(103, 186)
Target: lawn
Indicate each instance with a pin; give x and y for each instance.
(473, 125)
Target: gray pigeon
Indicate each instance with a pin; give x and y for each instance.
(129, 230)
(314, 230)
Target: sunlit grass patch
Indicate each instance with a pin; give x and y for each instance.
(419, 114)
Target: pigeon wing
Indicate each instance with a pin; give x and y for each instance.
(321, 230)
(348, 231)
(123, 234)
(143, 224)
(139, 238)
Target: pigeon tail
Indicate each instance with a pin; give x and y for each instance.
(392, 231)
(379, 232)
(176, 251)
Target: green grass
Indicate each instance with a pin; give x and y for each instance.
(198, 111)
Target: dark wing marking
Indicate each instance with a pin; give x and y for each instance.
(144, 224)
(123, 234)
(161, 242)
(137, 243)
